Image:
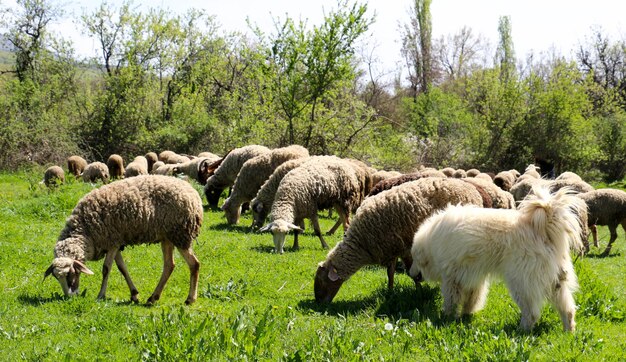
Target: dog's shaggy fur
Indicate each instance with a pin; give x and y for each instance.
(463, 246)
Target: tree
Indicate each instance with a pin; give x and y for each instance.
(417, 47)
(458, 54)
(505, 54)
(311, 66)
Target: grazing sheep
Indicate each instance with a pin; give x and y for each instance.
(165, 169)
(152, 158)
(156, 167)
(506, 179)
(459, 173)
(264, 199)
(462, 247)
(210, 155)
(165, 155)
(96, 171)
(115, 163)
(139, 166)
(531, 170)
(472, 172)
(137, 210)
(176, 158)
(606, 207)
(192, 168)
(498, 198)
(228, 169)
(253, 174)
(76, 165)
(448, 171)
(398, 180)
(328, 182)
(524, 187)
(383, 175)
(430, 172)
(383, 228)
(567, 175)
(485, 176)
(53, 176)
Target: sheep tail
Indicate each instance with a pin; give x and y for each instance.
(557, 216)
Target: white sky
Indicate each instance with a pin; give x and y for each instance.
(537, 25)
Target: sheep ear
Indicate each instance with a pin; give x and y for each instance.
(48, 272)
(266, 227)
(81, 267)
(332, 274)
(294, 227)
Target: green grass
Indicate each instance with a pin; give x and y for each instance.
(255, 305)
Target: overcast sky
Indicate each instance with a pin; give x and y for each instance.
(537, 25)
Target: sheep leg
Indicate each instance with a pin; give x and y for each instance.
(168, 267)
(106, 269)
(194, 268)
(318, 231)
(119, 261)
(594, 232)
(613, 231)
(391, 270)
(334, 228)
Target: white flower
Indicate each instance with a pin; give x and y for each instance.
(388, 326)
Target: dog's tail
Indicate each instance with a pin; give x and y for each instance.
(559, 216)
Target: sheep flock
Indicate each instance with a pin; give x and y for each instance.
(380, 210)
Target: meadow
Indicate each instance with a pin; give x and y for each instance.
(256, 305)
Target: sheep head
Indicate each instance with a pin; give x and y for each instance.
(232, 211)
(213, 194)
(67, 272)
(327, 283)
(279, 229)
(259, 213)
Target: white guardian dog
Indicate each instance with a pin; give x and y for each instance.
(462, 247)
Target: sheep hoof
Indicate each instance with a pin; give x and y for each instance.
(152, 300)
(189, 301)
(606, 252)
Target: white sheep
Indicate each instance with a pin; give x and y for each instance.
(152, 158)
(228, 169)
(262, 203)
(76, 165)
(139, 166)
(115, 163)
(383, 228)
(96, 171)
(53, 176)
(253, 174)
(136, 210)
(328, 182)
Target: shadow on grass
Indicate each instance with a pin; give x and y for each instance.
(232, 228)
(401, 302)
(602, 256)
(35, 300)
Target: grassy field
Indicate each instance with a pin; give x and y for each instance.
(255, 305)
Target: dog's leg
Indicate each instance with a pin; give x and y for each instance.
(563, 301)
(474, 299)
(451, 292)
(529, 304)
(613, 231)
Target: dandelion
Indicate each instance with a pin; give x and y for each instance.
(388, 326)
